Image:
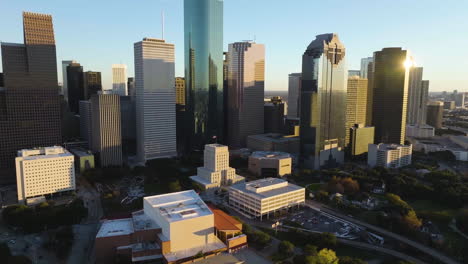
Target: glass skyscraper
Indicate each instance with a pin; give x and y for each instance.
(203, 72)
(323, 102)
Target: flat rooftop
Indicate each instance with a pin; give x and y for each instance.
(118, 227)
(270, 155)
(224, 221)
(266, 188)
(179, 206)
(275, 137)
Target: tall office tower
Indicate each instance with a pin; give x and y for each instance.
(128, 124)
(435, 114)
(323, 102)
(246, 82)
(356, 103)
(64, 77)
(370, 92)
(294, 92)
(155, 99)
(364, 72)
(180, 90)
(360, 138)
(75, 86)
(119, 79)
(352, 73)
(92, 83)
(106, 130)
(459, 99)
(180, 113)
(31, 107)
(203, 26)
(225, 93)
(86, 131)
(390, 95)
(417, 97)
(273, 115)
(131, 87)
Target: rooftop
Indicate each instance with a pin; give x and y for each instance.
(224, 221)
(383, 146)
(266, 188)
(274, 137)
(117, 227)
(179, 205)
(270, 155)
(44, 153)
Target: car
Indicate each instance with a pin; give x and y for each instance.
(12, 241)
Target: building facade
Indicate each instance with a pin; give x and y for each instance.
(273, 115)
(435, 114)
(418, 91)
(270, 164)
(92, 84)
(323, 102)
(131, 87)
(203, 29)
(361, 136)
(390, 95)
(30, 108)
(263, 197)
(216, 171)
(75, 86)
(86, 131)
(246, 86)
(274, 142)
(294, 93)
(389, 155)
(365, 62)
(106, 129)
(155, 99)
(119, 79)
(356, 103)
(180, 114)
(44, 171)
(64, 91)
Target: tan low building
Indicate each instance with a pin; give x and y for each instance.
(270, 164)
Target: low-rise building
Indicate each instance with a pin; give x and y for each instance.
(44, 171)
(360, 138)
(423, 131)
(216, 171)
(274, 142)
(84, 160)
(270, 164)
(172, 228)
(455, 144)
(266, 196)
(389, 155)
(228, 229)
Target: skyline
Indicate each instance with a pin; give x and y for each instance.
(108, 34)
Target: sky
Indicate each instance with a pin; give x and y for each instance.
(100, 33)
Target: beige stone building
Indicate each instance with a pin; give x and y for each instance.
(356, 103)
(270, 164)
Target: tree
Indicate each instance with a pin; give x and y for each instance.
(327, 240)
(350, 260)
(286, 248)
(310, 250)
(462, 220)
(350, 186)
(174, 186)
(411, 220)
(5, 252)
(19, 260)
(327, 256)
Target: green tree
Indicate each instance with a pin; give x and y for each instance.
(310, 250)
(286, 248)
(5, 252)
(327, 256)
(174, 186)
(350, 260)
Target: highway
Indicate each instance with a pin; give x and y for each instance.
(427, 250)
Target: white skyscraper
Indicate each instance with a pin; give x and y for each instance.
(155, 99)
(364, 66)
(294, 92)
(64, 76)
(119, 79)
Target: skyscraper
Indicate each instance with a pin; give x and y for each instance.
(180, 113)
(155, 99)
(75, 86)
(131, 87)
(294, 92)
(435, 114)
(417, 97)
(273, 116)
(390, 95)
(246, 84)
(119, 79)
(31, 109)
(92, 83)
(365, 67)
(356, 103)
(65, 64)
(86, 131)
(203, 25)
(106, 130)
(323, 102)
(370, 92)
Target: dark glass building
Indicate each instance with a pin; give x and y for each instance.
(273, 116)
(92, 84)
(30, 107)
(323, 102)
(203, 72)
(75, 84)
(390, 95)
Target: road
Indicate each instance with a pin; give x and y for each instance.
(427, 250)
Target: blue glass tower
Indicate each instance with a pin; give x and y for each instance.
(203, 22)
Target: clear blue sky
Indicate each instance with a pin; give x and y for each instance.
(99, 33)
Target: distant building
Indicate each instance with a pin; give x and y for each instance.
(270, 164)
(92, 84)
(246, 87)
(171, 228)
(389, 155)
(274, 142)
(274, 115)
(155, 99)
(455, 144)
(106, 129)
(131, 87)
(75, 86)
(418, 91)
(180, 114)
(435, 114)
(356, 103)
(294, 92)
(422, 131)
(216, 171)
(263, 197)
(390, 95)
(65, 64)
(449, 105)
(44, 171)
(119, 79)
(352, 73)
(361, 136)
(180, 90)
(365, 67)
(84, 160)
